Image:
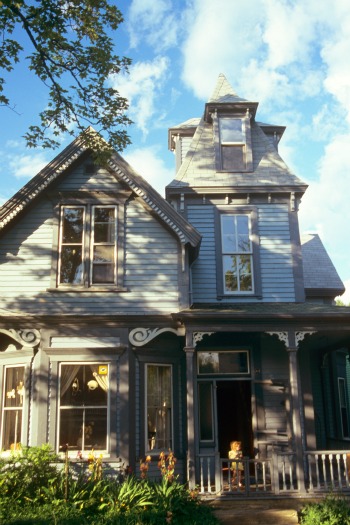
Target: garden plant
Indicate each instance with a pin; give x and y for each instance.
(332, 510)
(37, 487)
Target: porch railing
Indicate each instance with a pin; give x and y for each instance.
(328, 470)
(324, 471)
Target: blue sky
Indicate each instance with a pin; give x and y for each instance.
(291, 56)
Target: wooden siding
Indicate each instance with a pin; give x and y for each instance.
(276, 268)
(151, 268)
(274, 374)
(204, 269)
(86, 177)
(276, 264)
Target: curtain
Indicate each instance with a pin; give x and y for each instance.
(101, 380)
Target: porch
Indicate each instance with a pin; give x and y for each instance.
(322, 472)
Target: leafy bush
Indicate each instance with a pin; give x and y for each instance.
(332, 510)
(37, 491)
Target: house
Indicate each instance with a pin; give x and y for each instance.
(132, 324)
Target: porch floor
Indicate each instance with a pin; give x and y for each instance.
(258, 512)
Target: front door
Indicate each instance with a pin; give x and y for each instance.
(225, 415)
(234, 416)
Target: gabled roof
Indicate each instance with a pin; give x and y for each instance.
(320, 276)
(39, 184)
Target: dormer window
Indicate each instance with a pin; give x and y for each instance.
(232, 142)
(233, 148)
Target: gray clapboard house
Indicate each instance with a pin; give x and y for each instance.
(132, 324)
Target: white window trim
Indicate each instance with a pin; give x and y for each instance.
(237, 253)
(73, 453)
(8, 409)
(88, 246)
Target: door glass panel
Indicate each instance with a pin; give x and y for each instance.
(206, 411)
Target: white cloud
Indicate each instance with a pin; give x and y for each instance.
(148, 162)
(325, 208)
(142, 87)
(221, 35)
(27, 165)
(346, 295)
(154, 22)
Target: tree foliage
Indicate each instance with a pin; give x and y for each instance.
(69, 48)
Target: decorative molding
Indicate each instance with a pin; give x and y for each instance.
(28, 338)
(198, 336)
(141, 336)
(299, 336)
(282, 336)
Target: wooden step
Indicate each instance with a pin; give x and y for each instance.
(262, 512)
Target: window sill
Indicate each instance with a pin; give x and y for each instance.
(251, 295)
(96, 289)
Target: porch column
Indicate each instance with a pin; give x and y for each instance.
(296, 402)
(189, 350)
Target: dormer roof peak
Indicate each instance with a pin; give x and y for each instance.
(225, 98)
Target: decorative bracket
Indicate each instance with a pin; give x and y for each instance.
(28, 338)
(299, 336)
(141, 336)
(198, 336)
(282, 336)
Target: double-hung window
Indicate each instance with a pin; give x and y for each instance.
(88, 245)
(12, 407)
(84, 406)
(237, 254)
(159, 407)
(232, 140)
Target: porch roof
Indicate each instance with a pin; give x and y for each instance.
(268, 311)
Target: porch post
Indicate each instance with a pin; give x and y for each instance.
(296, 402)
(189, 350)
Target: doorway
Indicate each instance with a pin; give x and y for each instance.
(234, 416)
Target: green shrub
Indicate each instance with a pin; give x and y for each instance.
(332, 510)
(36, 490)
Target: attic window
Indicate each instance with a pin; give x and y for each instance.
(233, 139)
(232, 142)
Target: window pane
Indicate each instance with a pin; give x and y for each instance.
(227, 362)
(103, 273)
(83, 385)
(104, 245)
(230, 273)
(12, 405)
(72, 225)
(71, 265)
(83, 429)
(205, 412)
(104, 225)
(243, 233)
(245, 273)
(232, 158)
(231, 130)
(159, 407)
(12, 429)
(229, 237)
(14, 387)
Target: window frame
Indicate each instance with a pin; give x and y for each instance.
(90, 201)
(5, 410)
(148, 449)
(83, 407)
(245, 144)
(251, 212)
